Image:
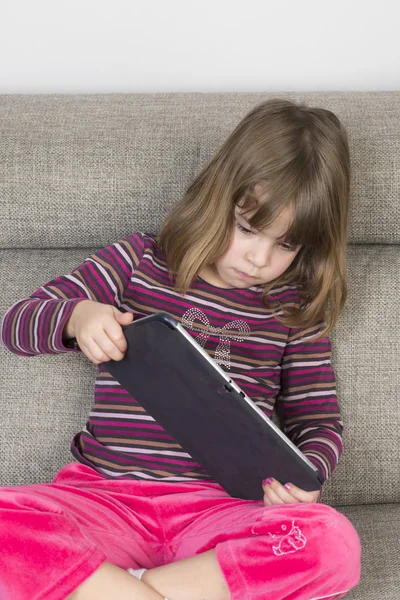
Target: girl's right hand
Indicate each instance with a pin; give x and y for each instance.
(98, 330)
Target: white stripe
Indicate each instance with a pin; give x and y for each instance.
(240, 366)
(78, 282)
(36, 324)
(60, 314)
(145, 451)
(320, 462)
(17, 328)
(322, 441)
(301, 340)
(311, 363)
(255, 369)
(122, 416)
(151, 259)
(49, 293)
(108, 279)
(244, 378)
(263, 405)
(312, 394)
(128, 308)
(125, 255)
(264, 341)
(319, 438)
(307, 429)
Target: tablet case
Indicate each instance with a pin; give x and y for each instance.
(205, 411)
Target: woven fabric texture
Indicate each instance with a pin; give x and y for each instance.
(379, 530)
(120, 161)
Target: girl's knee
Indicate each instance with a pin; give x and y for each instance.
(340, 550)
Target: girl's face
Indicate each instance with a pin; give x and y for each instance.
(254, 257)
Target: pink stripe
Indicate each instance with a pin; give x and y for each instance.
(101, 424)
(126, 400)
(244, 385)
(111, 390)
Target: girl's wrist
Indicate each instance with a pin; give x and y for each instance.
(69, 329)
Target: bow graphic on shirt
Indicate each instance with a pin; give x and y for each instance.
(234, 330)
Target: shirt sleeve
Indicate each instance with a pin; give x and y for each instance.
(307, 404)
(35, 325)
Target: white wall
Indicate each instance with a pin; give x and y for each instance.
(79, 46)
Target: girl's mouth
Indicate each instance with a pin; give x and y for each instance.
(245, 276)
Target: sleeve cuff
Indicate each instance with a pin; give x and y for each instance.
(59, 344)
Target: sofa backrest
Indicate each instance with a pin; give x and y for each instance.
(80, 172)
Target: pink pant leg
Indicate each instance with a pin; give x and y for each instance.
(43, 553)
(306, 552)
(54, 536)
(284, 552)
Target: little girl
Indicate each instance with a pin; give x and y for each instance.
(252, 263)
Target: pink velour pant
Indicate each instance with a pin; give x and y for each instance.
(53, 536)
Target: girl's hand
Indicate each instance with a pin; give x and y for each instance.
(276, 493)
(98, 330)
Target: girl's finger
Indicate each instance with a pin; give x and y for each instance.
(301, 495)
(270, 497)
(99, 353)
(272, 486)
(107, 348)
(89, 355)
(115, 333)
(271, 492)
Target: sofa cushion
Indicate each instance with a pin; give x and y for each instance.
(379, 530)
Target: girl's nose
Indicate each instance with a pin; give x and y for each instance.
(260, 255)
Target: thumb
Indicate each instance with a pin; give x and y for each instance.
(123, 318)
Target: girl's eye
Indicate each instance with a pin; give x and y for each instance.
(243, 229)
(288, 247)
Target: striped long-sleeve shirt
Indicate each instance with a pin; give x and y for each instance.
(275, 365)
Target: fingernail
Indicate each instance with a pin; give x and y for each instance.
(269, 481)
(287, 486)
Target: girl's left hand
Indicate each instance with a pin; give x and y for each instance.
(276, 493)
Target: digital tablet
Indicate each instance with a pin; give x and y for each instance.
(205, 411)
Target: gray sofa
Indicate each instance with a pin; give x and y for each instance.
(80, 172)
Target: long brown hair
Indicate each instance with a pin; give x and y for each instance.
(301, 154)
